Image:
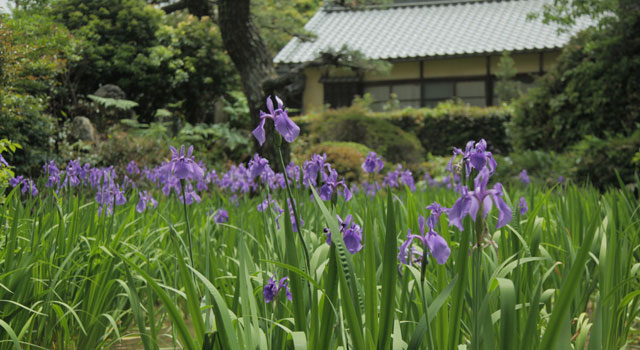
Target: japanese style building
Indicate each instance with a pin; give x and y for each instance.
(438, 50)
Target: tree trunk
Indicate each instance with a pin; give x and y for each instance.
(253, 61)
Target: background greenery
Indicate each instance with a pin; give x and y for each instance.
(56, 53)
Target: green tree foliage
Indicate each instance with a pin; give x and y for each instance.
(507, 88)
(188, 66)
(594, 90)
(34, 52)
(114, 33)
(279, 21)
(566, 12)
(156, 59)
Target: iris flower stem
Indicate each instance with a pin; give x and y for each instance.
(186, 218)
(295, 211)
(423, 275)
(477, 280)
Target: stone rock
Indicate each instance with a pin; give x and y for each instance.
(111, 91)
(82, 129)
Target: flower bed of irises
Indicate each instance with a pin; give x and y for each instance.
(255, 259)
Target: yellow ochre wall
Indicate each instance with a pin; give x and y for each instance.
(313, 95)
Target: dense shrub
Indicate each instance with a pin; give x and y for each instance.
(594, 90)
(452, 124)
(158, 60)
(22, 119)
(147, 143)
(438, 129)
(543, 167)
(34, 53)
(356, 125)
(601, 160)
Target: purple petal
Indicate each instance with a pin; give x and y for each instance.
(486, 206)
(421, 224)
(141, 206)
(326, 191)
(478, 160)
(347, 194)
(259, 132)
(459, 210)
(286, 127)
(181, 170)
(472, 207)
(524, 208)
(504, 212)
(279, 101)
(404, 249)
(438, 247)
(270, 105)
(196, 172)
(352, 241)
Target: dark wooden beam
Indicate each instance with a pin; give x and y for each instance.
(488, 84)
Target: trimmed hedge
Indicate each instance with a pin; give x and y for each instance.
(451, 124)
(356, 125)
(436, 129)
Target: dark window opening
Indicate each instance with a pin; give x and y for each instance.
(341, 94)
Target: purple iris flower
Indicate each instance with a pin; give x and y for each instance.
(182, 165)
(274, 205)
(524, 208)
(391, 179)
(3, 162)
(407, 178)
(132, 168)
(293, 171)
(351, 234)
(53, 173)
(311, 168)
(370, 188)
(284, 125)
(190, 195)
(221, 216)
(407, 254)
(430, 180)
(109, 193)
(470, 201)
(145, 199)
(331, 183)
(27, 185)
(16, 181)
(524, 177)
(212, 177)
(74, 175)
(436, 245)
(236, 179)
(201, 185)
(561, 179)
(292, 216)
(398, 177)
(373, 163)
(258, 165)
(474, 156)
(272, 289)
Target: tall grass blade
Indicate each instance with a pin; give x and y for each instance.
(389, 272)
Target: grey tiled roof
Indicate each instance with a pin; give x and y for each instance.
(430, 30)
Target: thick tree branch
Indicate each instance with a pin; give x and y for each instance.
(176, 6)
